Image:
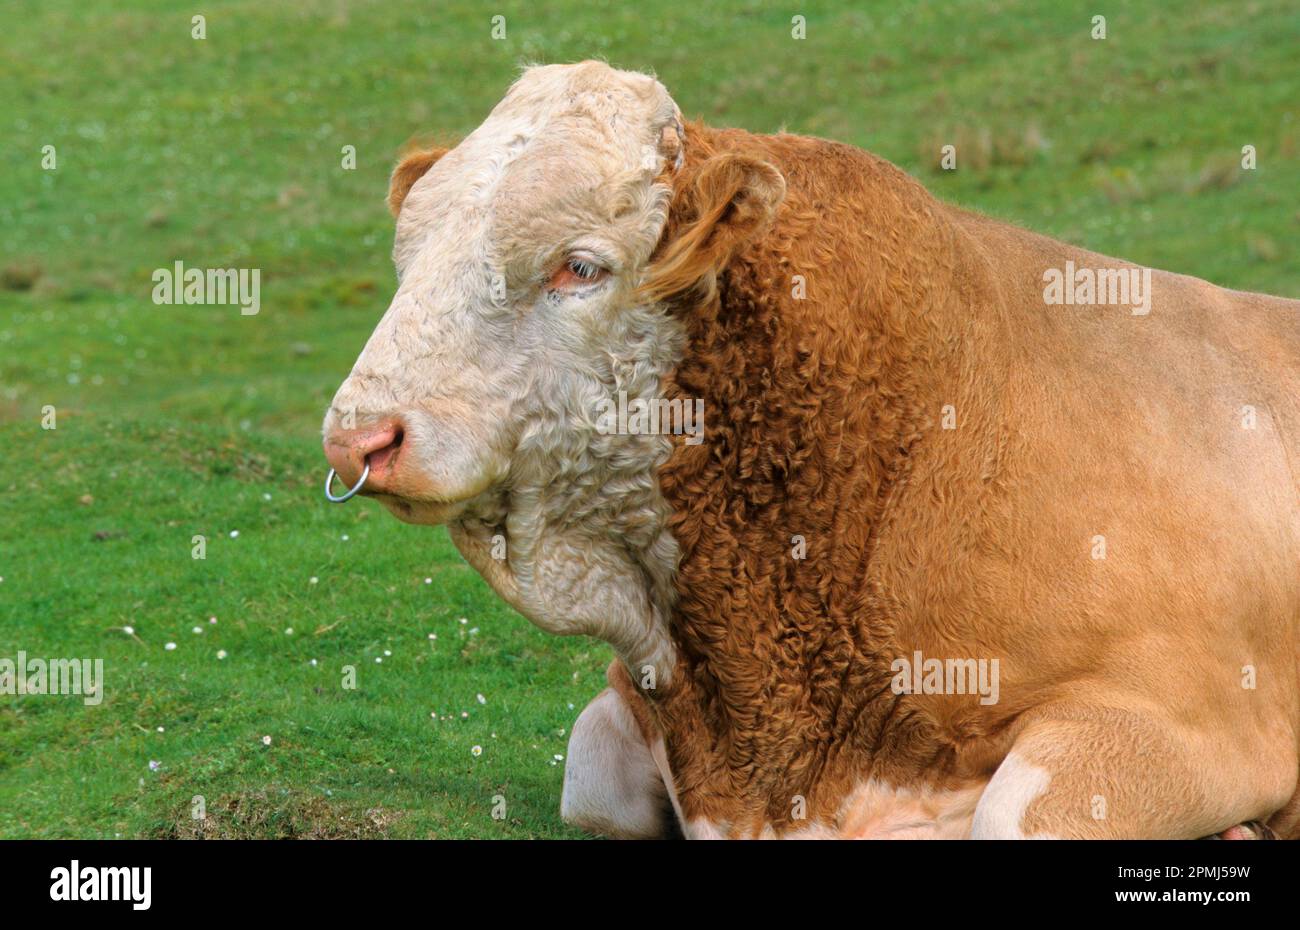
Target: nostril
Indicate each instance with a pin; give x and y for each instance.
(349, 451)
(383, 453)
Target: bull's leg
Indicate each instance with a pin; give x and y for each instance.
(1085, 771)
(611, 783)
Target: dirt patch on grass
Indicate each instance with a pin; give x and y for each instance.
(264, 815)
(20, 276)
(229, 460)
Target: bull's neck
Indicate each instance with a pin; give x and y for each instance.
(825, 363)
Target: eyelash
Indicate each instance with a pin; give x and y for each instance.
(586, 270)
(578, 275)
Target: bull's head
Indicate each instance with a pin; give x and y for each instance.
(538, 262)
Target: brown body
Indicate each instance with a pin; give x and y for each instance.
(1123, 676)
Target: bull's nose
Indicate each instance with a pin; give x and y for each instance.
(348, 451)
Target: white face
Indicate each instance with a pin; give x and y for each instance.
(518, 254)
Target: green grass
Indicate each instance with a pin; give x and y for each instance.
(107, 528)
(179, 421)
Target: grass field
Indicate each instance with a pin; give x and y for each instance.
(177, 421)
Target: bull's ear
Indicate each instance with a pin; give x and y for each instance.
(730, 201)
(409, 170)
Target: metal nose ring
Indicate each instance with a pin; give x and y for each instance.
(329, 480)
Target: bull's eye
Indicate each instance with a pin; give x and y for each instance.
(578, 271)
